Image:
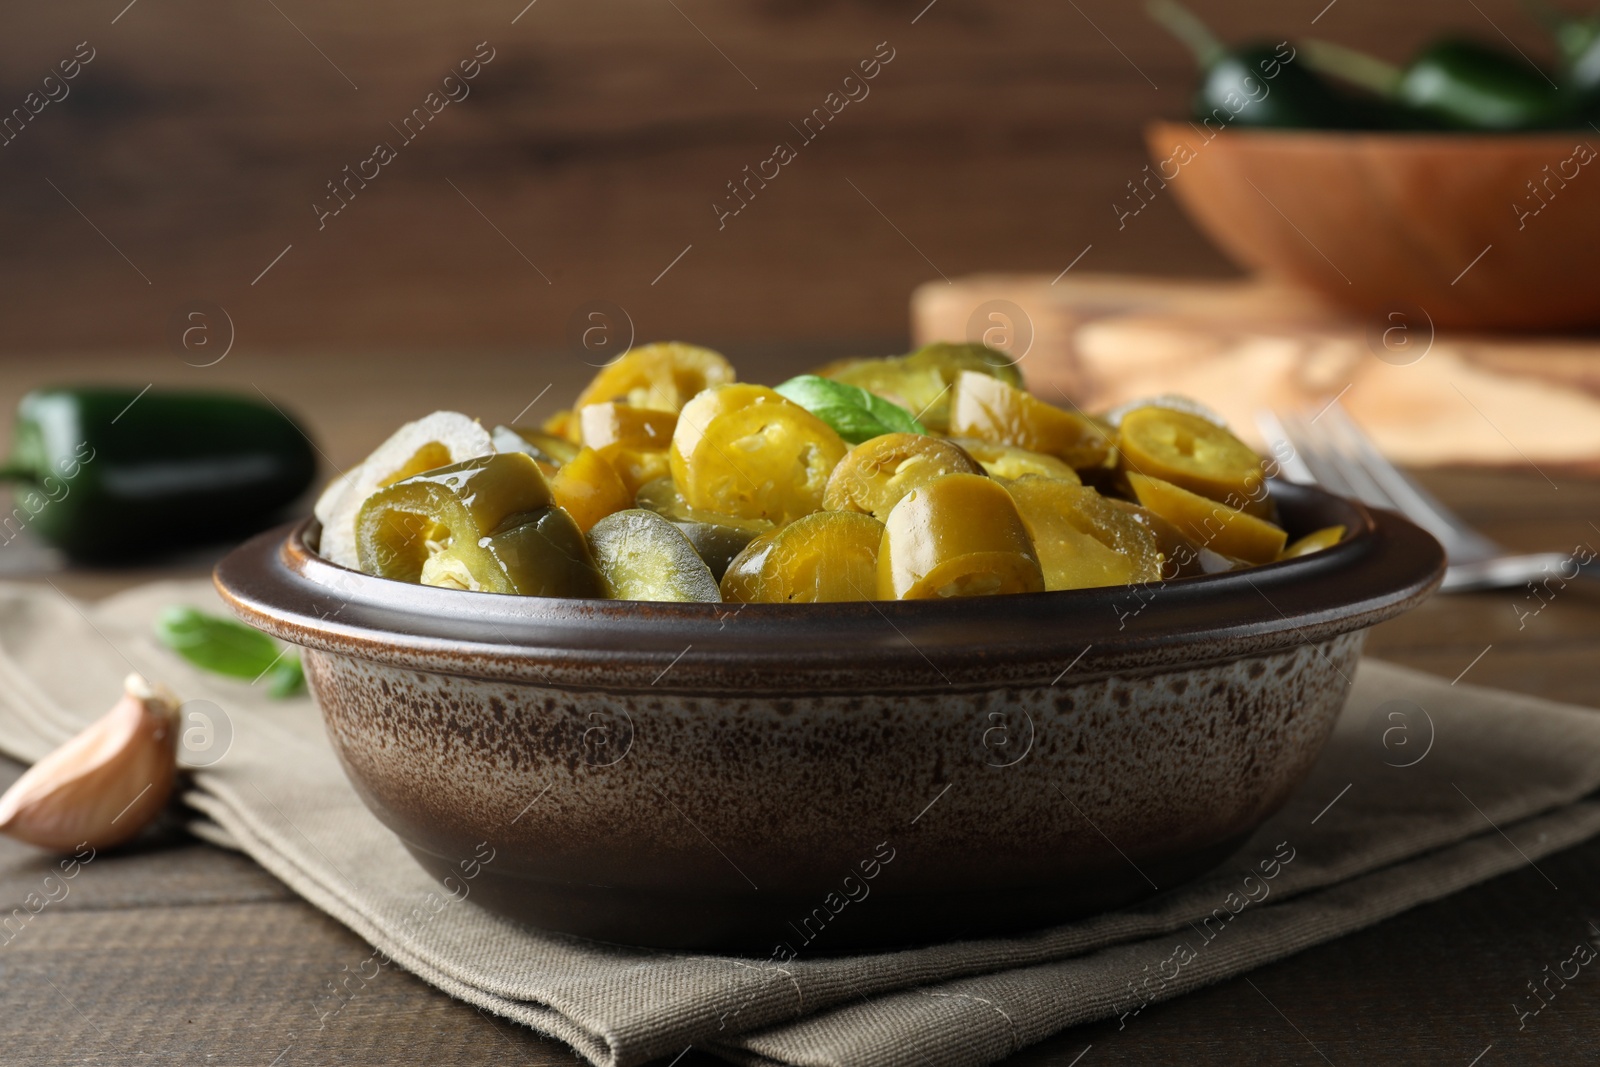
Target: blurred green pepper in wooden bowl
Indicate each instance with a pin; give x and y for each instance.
(1257, 84)
(1452, 83)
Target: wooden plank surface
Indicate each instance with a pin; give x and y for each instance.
(178, 952)
(190, 150)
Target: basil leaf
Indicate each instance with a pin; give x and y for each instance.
(287, 678)
(855, 414)
(224, 646)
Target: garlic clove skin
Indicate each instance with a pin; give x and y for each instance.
(107, 783)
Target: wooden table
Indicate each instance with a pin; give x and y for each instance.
(178, 952)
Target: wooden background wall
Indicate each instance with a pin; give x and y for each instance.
(587, 158)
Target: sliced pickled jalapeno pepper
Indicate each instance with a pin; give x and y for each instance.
(1004, 461)
(947, 361)
(1081, 540)
(564, 425)
(823, 558)
(487, 524)
(922, 381)
(436, 440)
(960, 535)
(611, 423)
(951, 358)
(662, 376)
(920, 390)
(642, 556)
(661, 497)
(990, 410)
(636, 466)
(717, 538)
(431, 455)
(1315, 541)
(698, 414)
(1208, 523)
(588, 488)
(1180, 557)
(746, 451)
(633, 440)
(474, 497)
(551, 450)
(543, 556)
(875, 474)
(1196, 454)
(668, 480)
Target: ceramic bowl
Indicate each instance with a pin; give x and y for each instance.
(1476, 231)
(834, 776)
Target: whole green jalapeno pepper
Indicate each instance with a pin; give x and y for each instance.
(1257, 84)
(1454, 83)
(1578, 40)
(112, 474)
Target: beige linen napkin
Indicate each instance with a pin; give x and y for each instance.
(1425, 788)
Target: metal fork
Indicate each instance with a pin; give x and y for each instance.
(1330, 450)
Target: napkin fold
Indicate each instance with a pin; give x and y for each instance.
(1424, 789)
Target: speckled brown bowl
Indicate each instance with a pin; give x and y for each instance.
(834, 776)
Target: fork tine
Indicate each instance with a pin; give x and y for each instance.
(1310, 450)
(1342, 438)
(1284, 454)
(1462, 542)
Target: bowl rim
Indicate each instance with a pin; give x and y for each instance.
(1386, 565)
(1472, 140)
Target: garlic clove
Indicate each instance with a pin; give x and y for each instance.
(103, 786)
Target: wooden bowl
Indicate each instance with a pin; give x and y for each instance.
(726, 777)
(1478, 231)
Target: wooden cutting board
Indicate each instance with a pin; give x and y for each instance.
(1428, 398)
